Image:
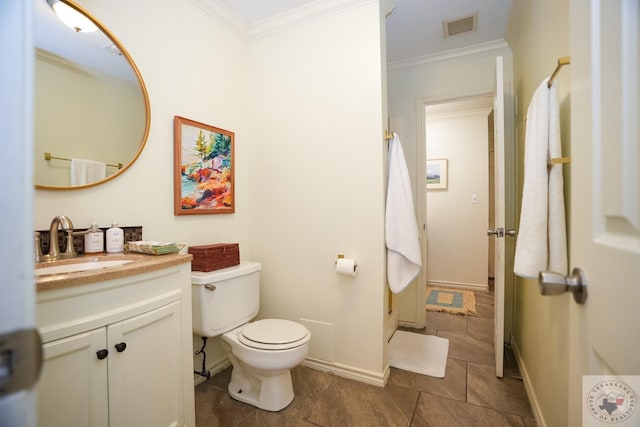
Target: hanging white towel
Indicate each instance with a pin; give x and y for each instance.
(541, 243)
(401, 230)
(87, 171)
(557, 222)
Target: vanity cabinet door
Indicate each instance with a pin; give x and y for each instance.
(145, 369)
(72, 390)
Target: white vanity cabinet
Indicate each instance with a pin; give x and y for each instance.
(73, 386)
(118, 352)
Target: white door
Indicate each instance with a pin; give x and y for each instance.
(499, 157)
(17, 302)
(505, 214)
(605, 193)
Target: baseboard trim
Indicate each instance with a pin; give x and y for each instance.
(338, 369)
(469, 286)
(408, 324)
(526, 379)
(349, 372)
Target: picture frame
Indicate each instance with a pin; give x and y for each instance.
(203, 177)
(437, 174)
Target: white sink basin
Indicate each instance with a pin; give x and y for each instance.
(80, 266)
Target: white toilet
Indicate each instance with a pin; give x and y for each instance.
(262, 352)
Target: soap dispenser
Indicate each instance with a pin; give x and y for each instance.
(93, 239)
(115, 238)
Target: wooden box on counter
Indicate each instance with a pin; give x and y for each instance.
(214, 257)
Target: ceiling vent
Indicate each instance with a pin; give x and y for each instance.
(454, 27)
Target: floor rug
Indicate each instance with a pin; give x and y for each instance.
(448, 300)
(423, 354)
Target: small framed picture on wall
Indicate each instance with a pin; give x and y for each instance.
(437, 174)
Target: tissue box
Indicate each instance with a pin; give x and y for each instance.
(214, 257)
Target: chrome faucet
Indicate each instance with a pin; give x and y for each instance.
(57, 223)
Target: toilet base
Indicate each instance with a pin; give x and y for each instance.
(271, 393)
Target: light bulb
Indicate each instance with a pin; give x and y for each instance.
(72, 18)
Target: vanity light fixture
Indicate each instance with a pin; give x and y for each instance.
(71, 17)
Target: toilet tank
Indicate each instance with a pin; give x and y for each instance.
(225, 299)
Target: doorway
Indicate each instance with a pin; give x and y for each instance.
(457, 208)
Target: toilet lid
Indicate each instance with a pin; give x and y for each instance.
(274, 334)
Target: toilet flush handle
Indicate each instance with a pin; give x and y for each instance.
(210, 287)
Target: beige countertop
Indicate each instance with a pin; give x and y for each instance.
(141, 263)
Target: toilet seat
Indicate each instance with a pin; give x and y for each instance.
(273, 334)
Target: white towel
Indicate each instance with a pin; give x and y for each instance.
(541, 243)
(403, 245)
(87, 171)
(557, 222)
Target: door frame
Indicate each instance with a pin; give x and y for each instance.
(511, 194)
(421, 161)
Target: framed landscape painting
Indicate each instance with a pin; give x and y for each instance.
(437, 174)
(203, 178)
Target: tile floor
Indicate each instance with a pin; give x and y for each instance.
(470, 395)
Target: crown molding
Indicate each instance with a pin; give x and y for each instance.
(219, 10)
(267, 27)
(302, 15)
(60, 62)
(478, 50)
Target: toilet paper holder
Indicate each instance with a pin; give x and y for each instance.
(346, 266)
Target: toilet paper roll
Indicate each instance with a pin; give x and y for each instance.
(347, 266)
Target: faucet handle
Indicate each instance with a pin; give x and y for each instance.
(70, 247)
(37, 246)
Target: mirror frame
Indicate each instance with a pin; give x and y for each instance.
(145, 96)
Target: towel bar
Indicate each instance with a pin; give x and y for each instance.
(560, 160)
(48, 156)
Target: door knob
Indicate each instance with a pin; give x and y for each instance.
(102, 354)
(498, 232)
(511, 232)
(551, 283)
(121, 346)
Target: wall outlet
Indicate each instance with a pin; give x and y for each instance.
(474, 199)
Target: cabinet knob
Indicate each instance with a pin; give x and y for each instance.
(121, 346)
(102, 354)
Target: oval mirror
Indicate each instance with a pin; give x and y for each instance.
(91, 118)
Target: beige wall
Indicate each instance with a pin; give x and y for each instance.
(305, 104)
(172, 46)
(539, 35)
(317, 183)
(194, 66)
